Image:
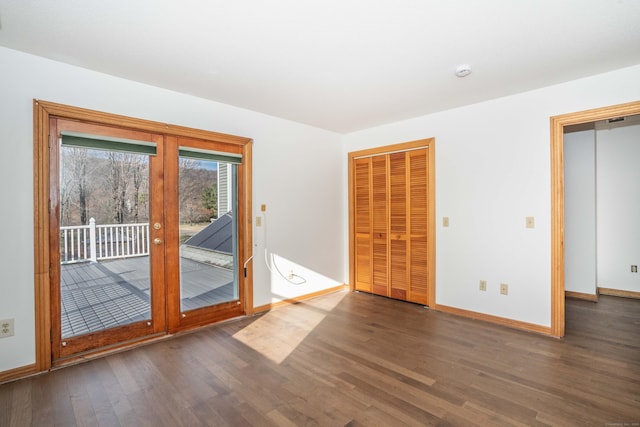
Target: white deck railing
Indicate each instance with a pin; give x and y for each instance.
(99, 242)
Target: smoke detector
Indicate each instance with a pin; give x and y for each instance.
(463, 70)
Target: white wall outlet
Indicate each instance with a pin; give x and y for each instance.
(6, 328)
(504, 289)
(483, 285)
(634, 268)
(530, 222)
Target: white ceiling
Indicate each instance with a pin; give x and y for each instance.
(341, 65)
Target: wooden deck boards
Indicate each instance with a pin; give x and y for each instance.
(97, 296)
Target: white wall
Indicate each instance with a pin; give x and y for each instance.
(297, 173)
(493, 170)
(580, 212)
(618, 207)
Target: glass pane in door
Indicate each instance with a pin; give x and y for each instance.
(104, 239)
(208, 233)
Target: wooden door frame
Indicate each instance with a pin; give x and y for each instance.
(42, 112)
(431, 199)
(557, 199)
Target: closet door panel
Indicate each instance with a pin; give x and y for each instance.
(418, 222)
(398, 224)
(418, 271)
(380, 225)
(362, 220)
(398, 269)
(363, 263)
(398, 194)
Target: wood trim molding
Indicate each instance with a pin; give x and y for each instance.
(42, 295)
(77, 113)
(619, 293)
(510, 323)
(431, 226)
(557, 199)
(557, 229)
(581, 295)
(351, 209)
(296, 300)
(403, 146)
(246, 249)
(17, 373)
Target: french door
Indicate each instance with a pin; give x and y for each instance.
(144, 237)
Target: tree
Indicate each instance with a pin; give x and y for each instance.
(139, 178)
(81, 182)
(121, 174)
(210, 200)
(74, 183)
(194, 179)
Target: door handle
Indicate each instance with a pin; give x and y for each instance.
(157, 241)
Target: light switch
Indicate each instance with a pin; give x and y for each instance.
(445, 221)
(258, 221)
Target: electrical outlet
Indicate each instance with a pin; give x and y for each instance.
(504, 289)
(530, 222)
(6, 328)
(483, 285)
(445, 221)
(634, 268)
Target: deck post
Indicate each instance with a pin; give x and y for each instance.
(93, 254)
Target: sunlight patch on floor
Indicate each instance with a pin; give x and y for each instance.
(279, 332)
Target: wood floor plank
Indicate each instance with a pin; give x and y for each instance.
(83, 411)
(353, 359)
(20, 402)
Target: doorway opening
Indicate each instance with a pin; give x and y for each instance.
(558, 124)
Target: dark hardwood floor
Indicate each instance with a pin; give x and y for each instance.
(358, 360)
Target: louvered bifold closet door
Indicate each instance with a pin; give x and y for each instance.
(380, 224)
(418, 176)
(398, 225)
(362, 224)
(391, 224)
